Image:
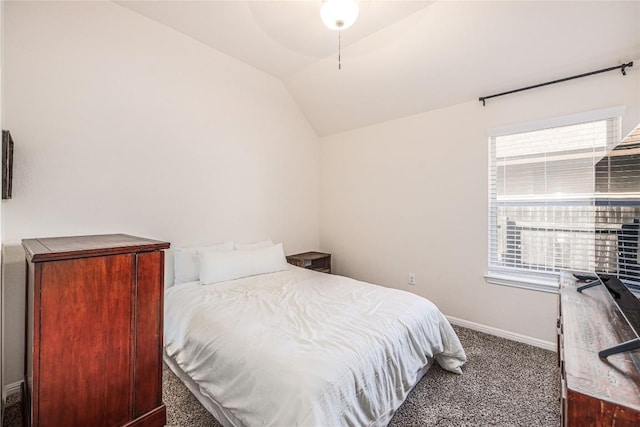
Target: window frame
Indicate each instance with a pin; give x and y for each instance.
(514, 277)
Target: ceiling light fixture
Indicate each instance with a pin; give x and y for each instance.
(339, 15)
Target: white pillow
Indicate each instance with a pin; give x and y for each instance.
(222, 266)
(185, 261)
(251, 246)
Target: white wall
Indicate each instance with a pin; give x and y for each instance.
(411, 195)
(123, 125)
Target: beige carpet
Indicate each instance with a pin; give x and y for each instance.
(504, 384)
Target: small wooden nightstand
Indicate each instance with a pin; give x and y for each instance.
(317, 261)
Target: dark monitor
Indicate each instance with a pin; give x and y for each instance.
(629, 306)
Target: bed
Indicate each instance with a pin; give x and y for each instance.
(295, 347)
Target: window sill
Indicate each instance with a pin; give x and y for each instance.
(549, 285)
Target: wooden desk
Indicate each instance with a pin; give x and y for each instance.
(595, 392)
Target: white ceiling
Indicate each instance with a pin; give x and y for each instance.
(405, 57)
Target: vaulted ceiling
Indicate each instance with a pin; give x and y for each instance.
(406, 57)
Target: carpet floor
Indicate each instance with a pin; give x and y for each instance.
(505, 383)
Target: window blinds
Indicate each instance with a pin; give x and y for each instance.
(617, 205)
(564, 198)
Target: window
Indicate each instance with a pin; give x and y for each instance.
(562, 197)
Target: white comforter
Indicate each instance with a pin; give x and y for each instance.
(301, 348)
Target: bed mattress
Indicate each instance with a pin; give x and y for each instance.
(301, 348)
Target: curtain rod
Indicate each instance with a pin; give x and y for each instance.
(621, 67)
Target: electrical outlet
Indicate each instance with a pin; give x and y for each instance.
(411, 279)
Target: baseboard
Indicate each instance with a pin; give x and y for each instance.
(13, 388)
(547, 345)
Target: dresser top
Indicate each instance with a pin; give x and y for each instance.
(591, 322)
(57, 248)
(309, 256)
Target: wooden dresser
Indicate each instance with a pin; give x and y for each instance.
(94, 321)
(595, 392)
